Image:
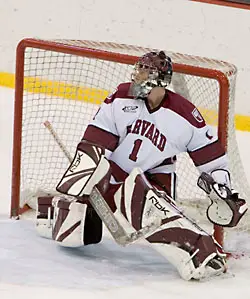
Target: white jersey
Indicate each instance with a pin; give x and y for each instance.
(136, 136)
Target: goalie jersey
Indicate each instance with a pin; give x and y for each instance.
(136, 136)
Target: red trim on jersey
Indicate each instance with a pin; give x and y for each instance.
(122, 91)
(168, 161)
(101, 137)
(152, 110)
(207, 153)
(184, 108)
(118, 173)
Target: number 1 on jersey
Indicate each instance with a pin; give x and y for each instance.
(135, 150)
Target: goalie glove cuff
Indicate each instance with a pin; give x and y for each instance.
(222, 177)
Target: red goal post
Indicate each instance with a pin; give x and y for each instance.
(60, 80)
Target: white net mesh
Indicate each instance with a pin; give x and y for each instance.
(66, 90)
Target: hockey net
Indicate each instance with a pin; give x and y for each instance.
(65, 81)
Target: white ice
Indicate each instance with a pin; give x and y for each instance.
(32, 267)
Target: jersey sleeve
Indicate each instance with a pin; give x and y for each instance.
(206, 151)
(102, 129)
(202, 145)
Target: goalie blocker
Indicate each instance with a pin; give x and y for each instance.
(140, 208)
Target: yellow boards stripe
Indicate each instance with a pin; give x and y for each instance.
(7, 80)
(95, 95)
(64, 90)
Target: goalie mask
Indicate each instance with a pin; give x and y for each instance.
(152, 69)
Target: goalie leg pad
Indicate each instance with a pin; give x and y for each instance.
(88, 168)
(195, 256)
(139, 203)
(191, 250)
(75, 223)
(44, 216)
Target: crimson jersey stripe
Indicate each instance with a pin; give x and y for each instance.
(207, 153)
(118, 173)
(101, 137)
(167, 161)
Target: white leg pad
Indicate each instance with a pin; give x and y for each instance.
(69, 219)
(44, 216)
(44, 226)
(179, 239)
(183, 263)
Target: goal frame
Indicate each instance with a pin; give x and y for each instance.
(219, 76)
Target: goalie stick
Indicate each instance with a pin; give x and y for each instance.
(103, 210)
(52, 131)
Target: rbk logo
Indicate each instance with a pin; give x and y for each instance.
(158, 205)
(130, 109)
(76, 162)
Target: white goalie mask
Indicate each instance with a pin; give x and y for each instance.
(152, 69)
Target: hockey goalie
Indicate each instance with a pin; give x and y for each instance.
(123, 175)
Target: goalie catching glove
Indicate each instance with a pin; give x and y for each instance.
(226, 208)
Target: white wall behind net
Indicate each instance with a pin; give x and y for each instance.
(178, 25)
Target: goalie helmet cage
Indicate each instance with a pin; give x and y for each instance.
(64, 82)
